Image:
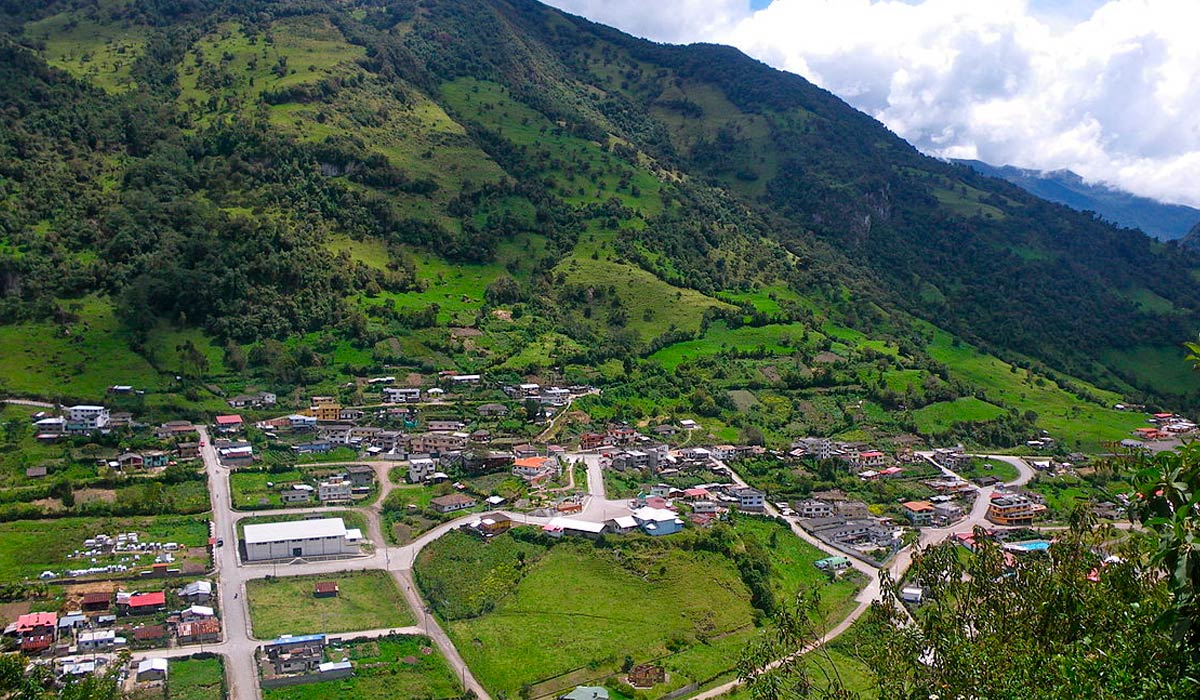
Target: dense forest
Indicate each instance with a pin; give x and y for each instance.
(218, 165)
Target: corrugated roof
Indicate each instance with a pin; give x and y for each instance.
(295, 530)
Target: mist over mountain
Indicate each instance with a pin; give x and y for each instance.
(1163, 221)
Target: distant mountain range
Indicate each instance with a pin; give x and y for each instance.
(1163, 221)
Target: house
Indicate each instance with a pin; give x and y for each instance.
(622, 435)
(555, 396)
(155, 459)
(493, 524)
(493, 410)
(350, 414)
(197, 612)
(468, 379)
(145, 603)
(196, 592)
(535, 469)
(296, 654)
(586, 692)
(657, 521)
(334, 491)
(235, 451)
(559, 526)
(866, 460)
(750, 500)
(593, 441)
(434, 393)
(421, 469)
(452, 502)
(393, 394)
(86, 419)
(174, 429)
(947, 512)
(151, 670)
(621, 525)
(313, 447)
(35, 472)
(665, 430)
(201, 631)
(438, 442)
(525, 450)
(188, 450)
(326, 412)
(912, 594)
(98, 640)
(228, 424)
(852, 509)
(920, 513)
(299, 422)
(131, 460)
(442, 425)
(259, 400)
(689, 424)
(37, 624)
(1014, 509)
(320, 537)
(813, 508)
(325, 589)
(361, 475)
(338, 433)
(832, 563)
(150, 634)
(647, 675)
(296, 493)
(96, 601)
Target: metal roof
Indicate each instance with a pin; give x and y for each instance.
(295, 530)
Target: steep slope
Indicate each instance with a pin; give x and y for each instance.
(323, 186)
(1163, 221)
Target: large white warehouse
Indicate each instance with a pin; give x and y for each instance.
(301, 538)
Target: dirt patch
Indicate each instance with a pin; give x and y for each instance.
(829, 358)
(502, 314)
(413, 379)
(95, 495)
(463, 332)
(9, 612)
(770, 373)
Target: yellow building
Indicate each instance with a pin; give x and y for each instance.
(1014, 509)
(326, 412)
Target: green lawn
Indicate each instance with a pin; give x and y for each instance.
(196, 679)
(390, 668)
(776, 339)
(940, 417)
(597, 609)
(249, 489)
(79, 360)
(1081, 423)
(989, 467)
(29, 547)
(367, 600)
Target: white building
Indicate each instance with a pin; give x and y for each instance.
(85, 418)
(334, 490)
(98, 639)
(301, 538)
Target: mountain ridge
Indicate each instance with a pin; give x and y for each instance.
(272, 170)
(1161, 220)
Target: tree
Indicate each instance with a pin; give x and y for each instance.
(533, 409)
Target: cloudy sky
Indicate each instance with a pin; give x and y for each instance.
(1107, 88)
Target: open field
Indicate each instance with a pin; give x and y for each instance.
(689, 610)
(196, 679)
(384, 669)
(366, 600)
(776, 339)
(940, 417)
(29, 547)
(1082, 424)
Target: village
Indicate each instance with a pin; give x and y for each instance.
(328, 489)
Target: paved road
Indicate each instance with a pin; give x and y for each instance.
(27, 402)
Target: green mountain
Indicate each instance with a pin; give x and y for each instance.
(287, 192)
(1163, 221)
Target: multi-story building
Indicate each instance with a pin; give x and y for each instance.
(1014, 509)
(85, 419)
(334, 490)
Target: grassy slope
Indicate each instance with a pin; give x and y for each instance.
(597, 612)
(367, 600)
(1065, 415)
(939, 417)
(99, 52)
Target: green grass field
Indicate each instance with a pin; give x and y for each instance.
(79, 360)
(989, 467)
(100, 53)
(1163, 368)
(384, 669)
(196, 679)
(596, 608)
(940, 417)
(29, 547)
(1081, 423)
(367, 600)
(776, 339)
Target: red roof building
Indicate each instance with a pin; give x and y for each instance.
(38, 622)
(147, 601)
(36, 642)
(229, 421)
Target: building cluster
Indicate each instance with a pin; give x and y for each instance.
(847, 524)
(350, 483)
(102, 621)
(293, 659)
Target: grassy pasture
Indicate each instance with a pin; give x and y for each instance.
(366, 600)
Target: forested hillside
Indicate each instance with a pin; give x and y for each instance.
(286, 192)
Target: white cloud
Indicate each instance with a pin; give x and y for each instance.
(1109, 89)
